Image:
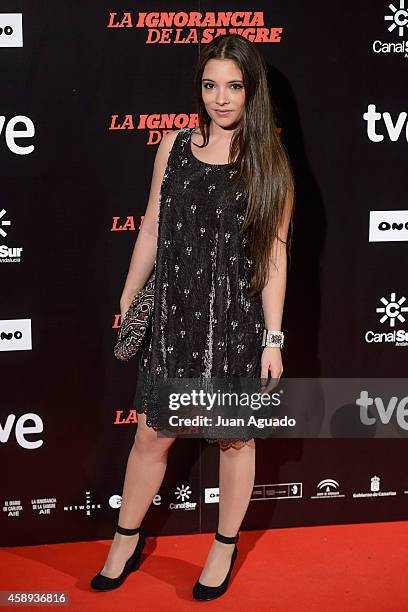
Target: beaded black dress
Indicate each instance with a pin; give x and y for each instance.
(204, 324)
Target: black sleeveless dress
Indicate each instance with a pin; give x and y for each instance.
(204, 324)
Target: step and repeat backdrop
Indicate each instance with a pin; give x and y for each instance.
(87, 90)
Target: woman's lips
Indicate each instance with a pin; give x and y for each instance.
(222, 113)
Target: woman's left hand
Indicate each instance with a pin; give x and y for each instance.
(271, 362)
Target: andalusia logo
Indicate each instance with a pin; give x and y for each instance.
(398, 17)
(392, 309)
(183, 493)
(396, 21)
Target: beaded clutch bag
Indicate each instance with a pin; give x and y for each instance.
(136, 322)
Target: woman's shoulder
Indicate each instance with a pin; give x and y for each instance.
(169, 138)
(168, 145)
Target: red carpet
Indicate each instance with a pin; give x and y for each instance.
(341, 567)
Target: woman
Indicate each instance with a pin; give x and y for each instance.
(225, 195)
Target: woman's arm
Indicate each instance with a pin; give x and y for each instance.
(273, 294)
(145, 249)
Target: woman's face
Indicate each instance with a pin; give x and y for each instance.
(223, 92)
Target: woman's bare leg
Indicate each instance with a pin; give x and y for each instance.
(145, 470)
(237, 474)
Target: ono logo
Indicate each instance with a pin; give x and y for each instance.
(11, 30)
(15, 335)
(388, 226)
(212, 495)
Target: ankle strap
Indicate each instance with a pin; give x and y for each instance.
(125, 531)
(225, 539)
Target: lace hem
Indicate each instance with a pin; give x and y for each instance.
(224, 444)
(146, 403)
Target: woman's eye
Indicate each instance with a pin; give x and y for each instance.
(235, 86)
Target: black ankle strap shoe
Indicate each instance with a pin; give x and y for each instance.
(104, 583)
(225, 539)
(203, 592)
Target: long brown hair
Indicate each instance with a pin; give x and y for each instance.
(259, 154)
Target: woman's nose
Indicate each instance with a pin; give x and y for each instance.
(222, 97)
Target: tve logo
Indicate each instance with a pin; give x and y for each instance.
(388, 225)
(21, 429)
(15, 335)
(382, 410)
(11, 133)
(11, 30)
(392, 129)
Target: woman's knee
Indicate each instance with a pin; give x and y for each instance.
(147, 440)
